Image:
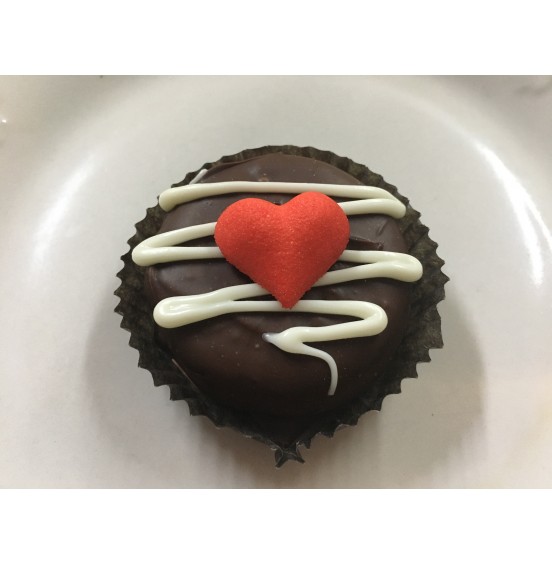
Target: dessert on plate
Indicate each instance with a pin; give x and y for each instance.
(282, 291)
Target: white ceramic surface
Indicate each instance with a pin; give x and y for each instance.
(82, 158)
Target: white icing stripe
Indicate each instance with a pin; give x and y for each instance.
(369, 199)
(376, 264)
(198, 176)
(183, 310)
(373, 321)
(160, 248)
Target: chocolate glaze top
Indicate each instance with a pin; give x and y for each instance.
(226, 357)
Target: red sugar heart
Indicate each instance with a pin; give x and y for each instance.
(286, 248)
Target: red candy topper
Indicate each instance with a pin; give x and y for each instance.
(287, 248)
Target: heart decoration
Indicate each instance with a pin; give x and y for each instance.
(285, 249)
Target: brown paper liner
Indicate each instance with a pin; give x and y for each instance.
(285, 436)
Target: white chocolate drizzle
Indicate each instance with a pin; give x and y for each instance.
(372, 319)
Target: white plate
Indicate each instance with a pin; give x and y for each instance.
(82, 158)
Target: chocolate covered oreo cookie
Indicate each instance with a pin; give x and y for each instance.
(280, 292)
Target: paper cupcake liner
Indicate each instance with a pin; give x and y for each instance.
(285, 436)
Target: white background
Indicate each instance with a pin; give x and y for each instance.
(82, 158)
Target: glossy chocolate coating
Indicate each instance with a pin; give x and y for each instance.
(226, 357)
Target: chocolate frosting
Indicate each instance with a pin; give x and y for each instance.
(226, 357)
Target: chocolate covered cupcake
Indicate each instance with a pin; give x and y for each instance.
(282, 291)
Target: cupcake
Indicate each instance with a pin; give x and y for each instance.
(282, 291)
